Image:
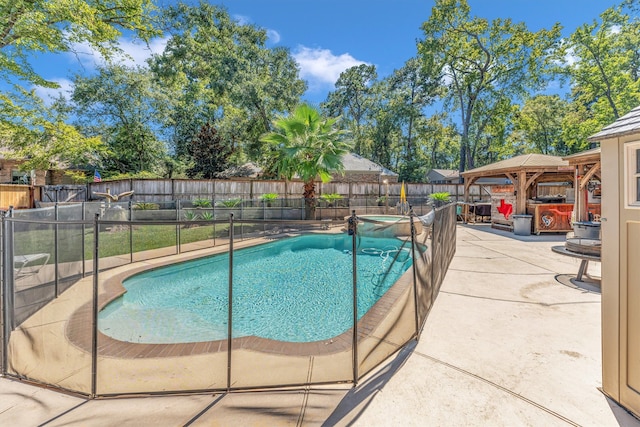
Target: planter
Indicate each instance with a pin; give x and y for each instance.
(247, 213)
(293, 213)
(222, 213)
(260, 213)
(586, 230)
(153, 215)
(273, 213)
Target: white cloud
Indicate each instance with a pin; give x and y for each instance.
(570, 57)
(48, 95)
(134, 52)
(272, 35)
(139, 52)
(320, 67)
(447, 76)
(84, 54)
(554, 86)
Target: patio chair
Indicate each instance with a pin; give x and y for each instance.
(29, 264)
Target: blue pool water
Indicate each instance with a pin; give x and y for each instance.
(296, 290)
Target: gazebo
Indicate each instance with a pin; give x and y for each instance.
(525, 172)
(586, 165)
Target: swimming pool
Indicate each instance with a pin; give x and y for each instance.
(294, 290)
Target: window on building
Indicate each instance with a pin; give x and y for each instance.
(632, 174)
(19, 177)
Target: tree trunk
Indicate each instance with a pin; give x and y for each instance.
(310, 200)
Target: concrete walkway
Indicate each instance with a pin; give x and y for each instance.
(511, 341)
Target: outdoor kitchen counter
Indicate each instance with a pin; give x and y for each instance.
(555, 217)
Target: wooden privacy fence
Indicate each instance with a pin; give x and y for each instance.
(18, 196)
(63, 193)
(167, 190)
(170, 190)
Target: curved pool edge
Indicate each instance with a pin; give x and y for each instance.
(76, 330)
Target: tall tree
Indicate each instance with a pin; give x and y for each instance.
(439, 142)
(41, 137)
(309, 146)
(602, 60)
(353, 100)
(490, 128)
(119, 103)
(32, 27)
(210, 154)
(479, 59)
(540, 123)
(412, 89)
(216, 69)
(383, 135)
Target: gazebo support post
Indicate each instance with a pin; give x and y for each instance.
(467, 185)
(521, 197)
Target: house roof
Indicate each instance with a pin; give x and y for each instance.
(525, 161)
(453, 175)
(447, 173)
(587, 156)
(355, 163)
(248, 170)
(352, 163)
(625, 125)
(586, 153)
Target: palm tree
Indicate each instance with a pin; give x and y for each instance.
(309, 146)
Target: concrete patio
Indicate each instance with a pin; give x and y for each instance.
(511, 341)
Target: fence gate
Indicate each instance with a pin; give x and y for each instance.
(64, 193)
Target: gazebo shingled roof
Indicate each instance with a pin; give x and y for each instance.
(525, 161)
(584, 156)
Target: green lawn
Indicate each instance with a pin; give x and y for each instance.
(146, 237)
(116, 242)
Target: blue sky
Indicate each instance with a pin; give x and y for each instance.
(328, 36)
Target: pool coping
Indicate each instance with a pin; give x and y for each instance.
(76, 327)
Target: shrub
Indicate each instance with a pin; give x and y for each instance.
(191, 216)
(269, 197)
(231, 203)
(440, 199)
(201, 203)
(331, 198)
(207, 216)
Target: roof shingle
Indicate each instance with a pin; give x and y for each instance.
(625, 125)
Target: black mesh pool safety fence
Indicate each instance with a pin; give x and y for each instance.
(106, 300)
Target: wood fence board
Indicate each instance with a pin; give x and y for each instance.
(18, 196)
(169, 190)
